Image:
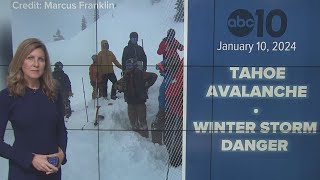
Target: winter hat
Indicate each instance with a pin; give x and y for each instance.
(104, 42)
(131, 64)
(171, 33)
(94, 57)
(133, 35)
(58, 65)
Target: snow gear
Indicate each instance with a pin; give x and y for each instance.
(168, 48)
(174, 116)
(135, 84)
(58, 65)
(161, 67)
(133, 35)
(96, 121)
(64, 86)
(112, 77)
(138, 118)
(158, 127)
(131, 64)
(135, 51)
(166, 80)
(171, 33)
(96, 80)
(106, 59)
(85, 100)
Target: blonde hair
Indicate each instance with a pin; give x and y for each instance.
(15, 81)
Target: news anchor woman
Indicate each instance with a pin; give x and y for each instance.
(32, 103)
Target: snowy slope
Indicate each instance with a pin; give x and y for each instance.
(123, 154)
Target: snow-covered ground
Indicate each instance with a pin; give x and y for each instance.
(111, 151)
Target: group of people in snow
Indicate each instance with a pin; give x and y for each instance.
(135, 82)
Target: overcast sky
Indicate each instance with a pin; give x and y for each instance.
(43, 23)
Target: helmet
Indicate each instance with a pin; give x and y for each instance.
(58, 65)
(131, 64)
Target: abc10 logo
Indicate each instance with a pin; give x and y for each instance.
(241, 22)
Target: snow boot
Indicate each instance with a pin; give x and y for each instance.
(158, 127)
(144, 132)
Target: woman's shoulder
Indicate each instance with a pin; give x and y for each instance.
(5, 96)
(4, 92)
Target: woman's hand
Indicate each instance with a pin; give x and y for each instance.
(59, 154)
(40, 162)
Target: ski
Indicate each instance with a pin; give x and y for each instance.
(85, 100)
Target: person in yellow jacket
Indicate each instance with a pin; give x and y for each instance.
(106, 59)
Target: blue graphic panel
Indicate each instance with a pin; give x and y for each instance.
(201, 107)
(200, 32)
(264, 90)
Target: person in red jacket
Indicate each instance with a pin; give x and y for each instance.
(174, 116)
(169, 47)
(174, 92)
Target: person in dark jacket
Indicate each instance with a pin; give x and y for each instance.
(135, 84)
(133, 50)
(64, 86)
(33, 105)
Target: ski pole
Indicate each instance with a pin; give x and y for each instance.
(96, 93)
(85, 101)
(142, 43)
(168, 169)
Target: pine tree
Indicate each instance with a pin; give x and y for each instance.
(179, 17)
(83, 23)
(58, 36)
(96, 15)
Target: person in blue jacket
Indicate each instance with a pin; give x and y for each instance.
(158, 125)
(33, 105)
